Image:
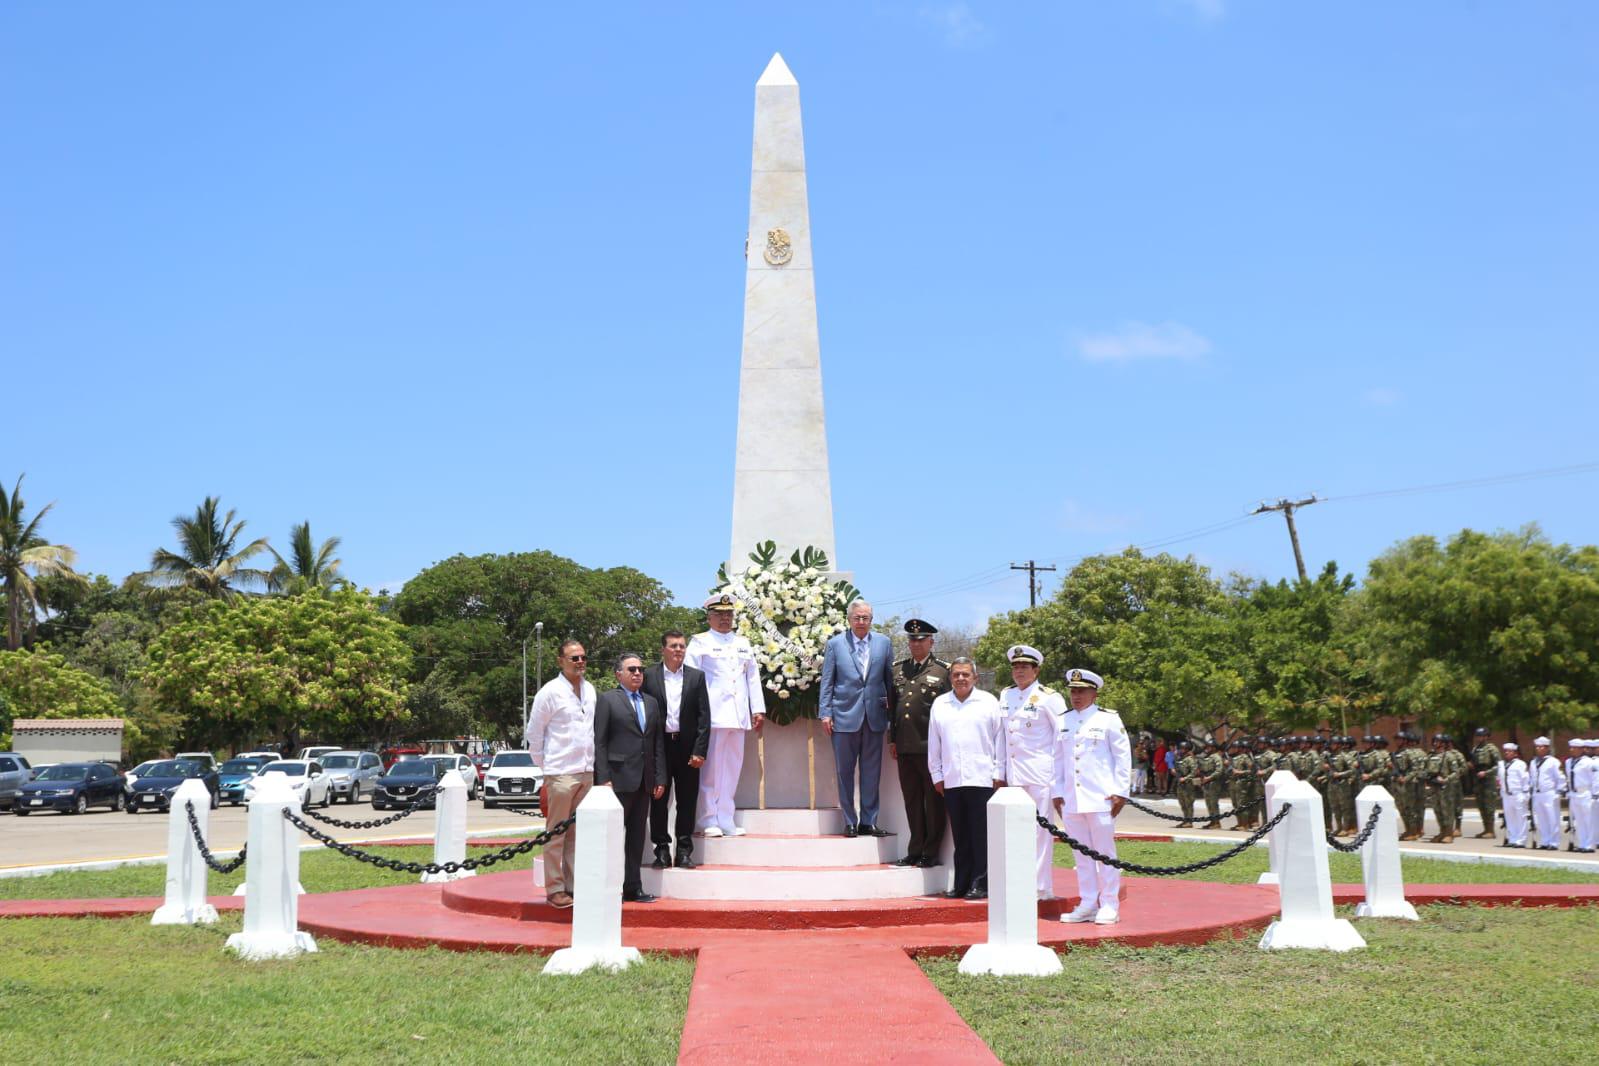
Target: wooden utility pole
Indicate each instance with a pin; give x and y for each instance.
(1287, 507)
(1033, 587)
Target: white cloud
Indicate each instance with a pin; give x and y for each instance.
(1381, 396)
(1143, 340)
(955, 21)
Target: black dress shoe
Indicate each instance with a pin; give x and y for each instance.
(663, 857)
(685, 861)
(638, 897)
(977, 893)
(954, 894)
(850, 831)
(873, 831)
(928, 862)
(909, 860)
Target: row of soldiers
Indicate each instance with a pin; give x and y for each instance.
(1338, 767)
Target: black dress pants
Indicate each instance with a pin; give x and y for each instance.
(635, 815)
(968, 824)
(924, 807)
(685, 781)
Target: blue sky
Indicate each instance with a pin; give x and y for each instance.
(468, 278)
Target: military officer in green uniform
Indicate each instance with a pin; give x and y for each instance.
(1410, 781)
(1482, 779)
(1343, 775)
(1265, 763)
(915, 682)
(1187, 777)
(1320, 771)
(1452, 767)
(1240, 782)
(1376, 766)
(1212, 776)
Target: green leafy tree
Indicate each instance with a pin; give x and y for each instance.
(1500, 629)
(209, 556)
(41, 684)
(323, 665)
(309, 565)
(26, 557)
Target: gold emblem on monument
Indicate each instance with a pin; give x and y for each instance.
(778, 248)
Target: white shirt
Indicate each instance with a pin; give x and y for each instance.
(560, 731)
(1546, 774)
(966, 741)
(1513, 777)
(1032, 724)
(1093, 762)
(732, 677)
(1583, 774)
(674, 699)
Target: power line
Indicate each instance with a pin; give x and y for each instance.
(1033, 570)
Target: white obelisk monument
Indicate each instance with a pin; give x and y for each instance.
(781, 489)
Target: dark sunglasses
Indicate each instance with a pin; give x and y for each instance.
(577, 658)
(632, 669)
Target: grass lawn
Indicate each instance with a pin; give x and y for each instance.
(1345, 869)
(89, 990)
(1463, 985)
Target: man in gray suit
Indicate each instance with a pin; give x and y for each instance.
(854, 712)
(630, 756)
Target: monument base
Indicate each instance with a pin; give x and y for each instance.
(1325, 934)
(1267, 878)
(1019, 960)
(580, 960)
(444, 875)
(257, 946)
(178, 914)
(1402, 909)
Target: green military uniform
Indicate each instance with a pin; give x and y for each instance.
(1377, 768)
(1455, 767)
(1240, 785)
(1344, 783)
(1187, 777)
(1410, 768)
(1320, 772)
(1212, 776)
(913, 688)
(1432, 781)
(1483, 779)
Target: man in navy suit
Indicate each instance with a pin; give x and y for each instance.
(854, 712)
(630, 756)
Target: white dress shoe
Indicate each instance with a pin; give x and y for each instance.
(713, 831)
(736, 831)
(1107, 916)
(1081, 914)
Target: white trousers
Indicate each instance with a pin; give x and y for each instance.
(1582, 813)
(1098, 884)
(1515, 808)
(724, 761)
(1046, 843)
(1546, 816)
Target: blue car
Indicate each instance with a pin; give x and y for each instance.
(71, 788)
(234, 774)
(158, 783)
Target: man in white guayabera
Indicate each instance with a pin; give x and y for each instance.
(733, 680)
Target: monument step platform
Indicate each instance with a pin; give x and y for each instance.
(796, 883)
(756, 849)
(799, 822)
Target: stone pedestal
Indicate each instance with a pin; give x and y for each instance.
(788, 767)
(1277, 780)
(1012, 947)
(272, 877)
(1305, 885)
(186, 871)
(1379, 859)
(597, 870)
(449, 833)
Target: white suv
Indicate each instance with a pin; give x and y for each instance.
(464, 765)
(512, 778)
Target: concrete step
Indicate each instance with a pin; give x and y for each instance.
(826, 821)
(796, 883)
(805, 851)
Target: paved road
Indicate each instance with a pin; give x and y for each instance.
(102, 835)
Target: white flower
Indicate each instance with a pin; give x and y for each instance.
(782, 693)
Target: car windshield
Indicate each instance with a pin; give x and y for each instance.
(420, 768)
(242, 766)
(513, 758)
(339, 762)
(62, 773)
(174, 768)
(144, 767)
(288, 769)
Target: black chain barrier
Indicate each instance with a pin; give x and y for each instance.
(1165, 871)
(1356, 842)
(328, 819)
(508, 852)
(205, 852)
(1232, 813)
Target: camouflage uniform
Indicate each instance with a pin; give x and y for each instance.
(1187, 775)
(1212, 776)
(1376, 768)
(1345, 776)
(1432, 778)
(1455, 767)
(1240, 786)
(1319, 775)
(1483, 779)
(1410, 768)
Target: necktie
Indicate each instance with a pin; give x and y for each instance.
(638, 708)
(860, 655)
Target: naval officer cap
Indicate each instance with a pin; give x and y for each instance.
(1022, 653)
(917, 628)
(1542, 740)
(721, 601)
(1076, 678)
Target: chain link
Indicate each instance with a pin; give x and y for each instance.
(205, 852)
(1164, 871)
(508, 852)
(1355, 844)
(1233, 813)
(328, 819)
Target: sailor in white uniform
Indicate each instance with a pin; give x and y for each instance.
(1584, 780)
(1546, 783)
(733, 683)
(1094, 774)
(1513, 796)
(1033, 714)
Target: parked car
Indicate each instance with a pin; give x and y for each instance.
(199, 756)
(14, 773)
(401, 752)
(234, 774)
(158, 783)
(463, 764)
(318, 751)
(353, 773)
(131, 778)
(269, 756)
(306, 777)
(407, 781)
(512, 779)
(72, 788)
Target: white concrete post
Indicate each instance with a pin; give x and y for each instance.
(1274, 840)
(186, 870)
(449, 828)
(597, 894)
(1305, 886)
(272, 877)
(1012, 947)
(1379, 859)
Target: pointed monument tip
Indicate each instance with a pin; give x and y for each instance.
(777, 72)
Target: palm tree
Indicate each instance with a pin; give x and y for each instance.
(308, 566)
(24, 556)
(208, 558)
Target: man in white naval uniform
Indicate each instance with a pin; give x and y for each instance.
(1513, 796)
(1546, 781)
(733, 682)
(1093, 776)
(1033, 714)
(1584, 770)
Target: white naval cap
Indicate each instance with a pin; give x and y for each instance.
(1541, 740)
(1511, 745)
(721, 601)
(1024, 653)
(1076, 678)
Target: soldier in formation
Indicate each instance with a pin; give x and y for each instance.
(1240, 783)
(1343, 775)
(1187, 776)
(1483, 777)
(1212, 777)
(1410, 784)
